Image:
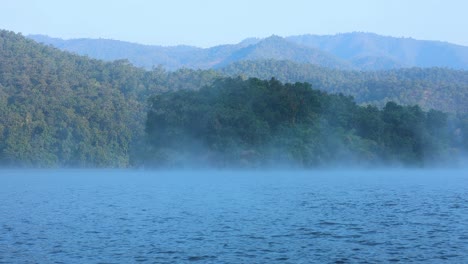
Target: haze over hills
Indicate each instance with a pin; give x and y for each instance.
(358, 51)
(177, 57)
(61, 109)
(369, 51)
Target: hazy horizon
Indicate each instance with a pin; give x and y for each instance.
(240, 41)
(209, 23)
(323, 150)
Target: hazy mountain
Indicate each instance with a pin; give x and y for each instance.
(364, 51)
(191, 57)
(109, 50)
(60, 109)
(278, 48)
(372, 52)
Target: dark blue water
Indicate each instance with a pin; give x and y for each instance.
(233, 217)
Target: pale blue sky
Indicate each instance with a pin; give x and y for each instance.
(210, 22)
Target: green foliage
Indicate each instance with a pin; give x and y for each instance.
(431, 88)
(59, 109)
(257, 123)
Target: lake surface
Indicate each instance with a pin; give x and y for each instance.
(112, 216)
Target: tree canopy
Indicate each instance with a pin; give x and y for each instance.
(431, 88)
(237, 122)
(62, 110)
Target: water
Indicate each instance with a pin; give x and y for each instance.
(111, 216)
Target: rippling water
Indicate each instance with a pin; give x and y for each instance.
(110, 216)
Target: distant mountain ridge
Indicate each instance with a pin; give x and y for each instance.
(279, 48)
(177, 57)
(358, 51)
(370, 51)
(62, 110)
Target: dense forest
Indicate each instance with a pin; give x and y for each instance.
(63, 110)
(437, 88)
(59, 109)
(237, 122)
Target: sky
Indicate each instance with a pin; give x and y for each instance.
(207, 23)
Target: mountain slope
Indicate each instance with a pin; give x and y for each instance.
(363, 51)
(190, 57)
(60, 109)
(372, 52)
(278, 48)
(109, 50)
(437, 88)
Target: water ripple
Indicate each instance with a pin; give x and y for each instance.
(230, 218)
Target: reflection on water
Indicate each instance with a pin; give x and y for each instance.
(112, 216)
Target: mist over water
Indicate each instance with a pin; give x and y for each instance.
(327, 216)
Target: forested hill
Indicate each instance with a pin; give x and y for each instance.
(257, 123)
(360, 51)
(63, 110)
(59, 109)
(438, 88)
